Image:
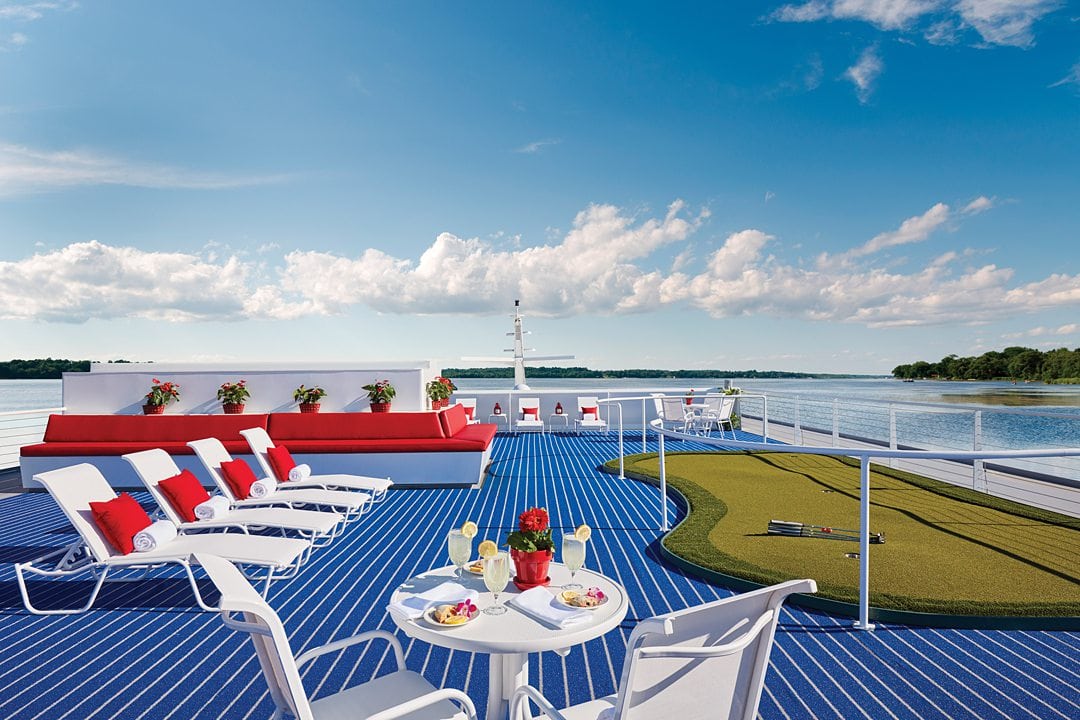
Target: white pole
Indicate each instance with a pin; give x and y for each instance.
(663, 487)
(863, 622)
(644, 429)
(622, 458)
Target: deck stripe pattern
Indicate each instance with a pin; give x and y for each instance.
(146, 652)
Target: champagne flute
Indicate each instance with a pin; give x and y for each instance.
(496, 576)
(573, 557)
(459, 547)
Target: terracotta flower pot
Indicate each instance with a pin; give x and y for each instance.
(233, 408)
(380, 407)
(531, 568)
(153, 409)
(310, 407)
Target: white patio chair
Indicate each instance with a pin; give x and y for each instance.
(75, 487)
(316, 526)
(593, 423)
(259, 441)
(705, 661)
(717, 411)
(533, 421)
(212, 454)
(469, 403)
(676, 414)
(399, 694)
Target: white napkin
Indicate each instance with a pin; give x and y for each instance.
(300, 472)
(149, 538)
(216, 507)
(414, 606)
(539, 604)
(262, 488)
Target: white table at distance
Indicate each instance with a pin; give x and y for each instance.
(509, 638)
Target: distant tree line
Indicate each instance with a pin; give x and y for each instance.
(1012, 363)
(43, 368)
(582, 372)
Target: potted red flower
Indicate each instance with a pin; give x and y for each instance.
(439, 391)
(379, 395)
(232, 397)
(531, 548)
(309, 398)
(160, 395)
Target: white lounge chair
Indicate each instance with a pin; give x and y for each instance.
(259, 441)
(705, 661)
(399, 694)
(75, 487)
(316, 526)
(212, 454)
(589, 423)
(675, 413)
(530, 420)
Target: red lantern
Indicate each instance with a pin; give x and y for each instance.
(558, 408)
(497, 410)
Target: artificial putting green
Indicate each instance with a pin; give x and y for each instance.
(948, 550)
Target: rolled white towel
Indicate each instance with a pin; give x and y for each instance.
(150, 538)
(263, 487)
(216, 507)
(300, 472)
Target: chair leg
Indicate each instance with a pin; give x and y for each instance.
(24, 591)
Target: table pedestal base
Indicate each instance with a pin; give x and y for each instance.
(506, 673)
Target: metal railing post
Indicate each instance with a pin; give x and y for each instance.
(644, 429)
(836, 422)
(797, 437)
(892, 433)
(622, 455)
(663, 487)
(863, 622)
(978, 470)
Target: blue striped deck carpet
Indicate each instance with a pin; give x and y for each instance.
(145, 652)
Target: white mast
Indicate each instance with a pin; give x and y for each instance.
(519, 350)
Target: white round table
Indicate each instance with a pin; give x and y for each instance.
(509, 638)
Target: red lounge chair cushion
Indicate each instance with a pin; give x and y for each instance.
(284, 427)
(239, 477)
(454, 420)
(594, 410)
(119, 520)
(184, 492)
(530, 413)
(281, 462)
(141, 429)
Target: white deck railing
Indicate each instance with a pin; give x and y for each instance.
(18, 428)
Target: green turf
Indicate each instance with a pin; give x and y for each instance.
(947, 550)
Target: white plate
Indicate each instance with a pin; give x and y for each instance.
(428, 618)
(559, 598)
(469, 568)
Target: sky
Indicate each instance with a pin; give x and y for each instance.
(828, 186)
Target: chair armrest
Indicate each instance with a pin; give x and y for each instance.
(411, 706)
(519, 703)
(339, 645)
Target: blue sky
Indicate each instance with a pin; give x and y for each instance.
(833, 185)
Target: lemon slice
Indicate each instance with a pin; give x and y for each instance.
(583, 533)
(568, 595)
(487, 549)
(469, 529)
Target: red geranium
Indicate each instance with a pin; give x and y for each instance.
(533, 532)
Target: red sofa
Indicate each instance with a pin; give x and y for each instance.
(412, 448)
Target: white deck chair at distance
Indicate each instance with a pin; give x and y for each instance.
(212, 454)
(717, 411)
(705, 661)
(675, 414)
(75, 487)
(399, 694)
(316, 526)
(589, 423)
(469, 403)
(259, 441)
(531, 421)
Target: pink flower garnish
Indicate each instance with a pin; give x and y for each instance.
(465, 608)
(595, 592)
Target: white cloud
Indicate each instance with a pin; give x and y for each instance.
(978, 205)
(1072, 78)
(1042, 330)
(537, 146)
(26, 170)
(998, 22)
(93, 280)
(864, 73)
(1005, 22)
(604, 265)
